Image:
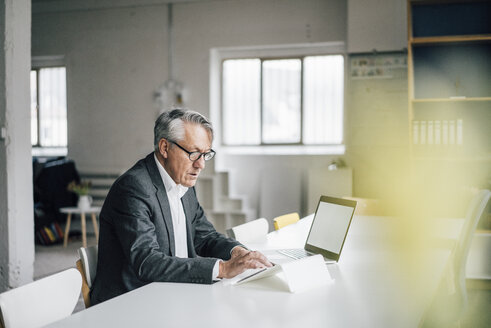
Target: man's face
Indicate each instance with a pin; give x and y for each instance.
(176, 161)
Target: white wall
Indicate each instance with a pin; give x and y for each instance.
(378, 148)
(115, 60)
(117, 57)
(205, 25)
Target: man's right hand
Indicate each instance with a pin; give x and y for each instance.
(242, 261)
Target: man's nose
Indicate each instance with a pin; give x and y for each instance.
(200, 162)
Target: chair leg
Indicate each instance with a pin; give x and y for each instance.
(96, 228)
(85, 286)
(84, 230)
(67, 229)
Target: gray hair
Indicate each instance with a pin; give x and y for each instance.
(170, 125)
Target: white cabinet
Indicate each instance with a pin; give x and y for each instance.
(379, 25)
(334, 183)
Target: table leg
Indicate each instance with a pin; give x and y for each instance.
(84, 230)
(96, 228)
(67, 229)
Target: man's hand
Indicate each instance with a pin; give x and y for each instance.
(239, 251)
(240, 261)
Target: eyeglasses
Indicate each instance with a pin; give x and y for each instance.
(196, 155)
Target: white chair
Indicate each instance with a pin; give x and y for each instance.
(451, 299)
(250, 232)
(41, 302)
(87, 265)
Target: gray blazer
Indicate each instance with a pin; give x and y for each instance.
(136, 241)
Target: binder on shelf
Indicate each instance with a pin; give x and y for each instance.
(49, 234)
(59, 230)
(438, 132)
(415, 132)
(54, 231)
(430, 133)
(422, 135)
(41, 238)
(460, 132)
(445, 132)
(451, 132)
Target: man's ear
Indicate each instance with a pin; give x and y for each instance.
(164, 148)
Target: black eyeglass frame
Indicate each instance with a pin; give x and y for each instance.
(191, 154)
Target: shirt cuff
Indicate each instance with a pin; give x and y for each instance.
(216, 271)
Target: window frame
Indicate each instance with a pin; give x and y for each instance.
(295, 51)
(300, 143)
(38, 63)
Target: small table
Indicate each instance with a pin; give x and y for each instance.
(93, 211)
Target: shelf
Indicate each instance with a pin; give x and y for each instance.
(484, 158)
(438, 18)
(450, 39)
(456, 99)
(449, 79)
(371, 77)
(452, 69)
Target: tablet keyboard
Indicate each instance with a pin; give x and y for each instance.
(296, 253)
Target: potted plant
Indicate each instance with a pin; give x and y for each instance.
(82, 190)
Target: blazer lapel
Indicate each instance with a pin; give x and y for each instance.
(162, 198)
(185, 206)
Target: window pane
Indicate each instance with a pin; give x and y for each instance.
(52, 107)
(323, 99)
(34, 109)
(241, 102)
(281, 101)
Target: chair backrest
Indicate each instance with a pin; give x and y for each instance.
(284, 220)
(474, 212)
(87, 265)
(249, 232)
(451, 298)
(41, 302)
(88, 256)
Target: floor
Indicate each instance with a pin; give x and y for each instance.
(56, 258)
(478, 314)
(52, 259)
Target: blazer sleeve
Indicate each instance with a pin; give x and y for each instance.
(145, 243)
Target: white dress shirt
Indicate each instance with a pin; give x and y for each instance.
(174, 194)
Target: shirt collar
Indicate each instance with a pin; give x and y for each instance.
(169, 184)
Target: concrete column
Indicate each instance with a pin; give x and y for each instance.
(16, 203)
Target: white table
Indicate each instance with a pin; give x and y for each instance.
(93, 211)
(382, 280)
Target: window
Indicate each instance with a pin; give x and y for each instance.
(283, 101)
(48, 107)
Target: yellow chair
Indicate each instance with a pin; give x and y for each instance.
(284, 220)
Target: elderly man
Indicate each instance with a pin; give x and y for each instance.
(152, 227)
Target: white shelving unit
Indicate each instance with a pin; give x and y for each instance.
(221, 209)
